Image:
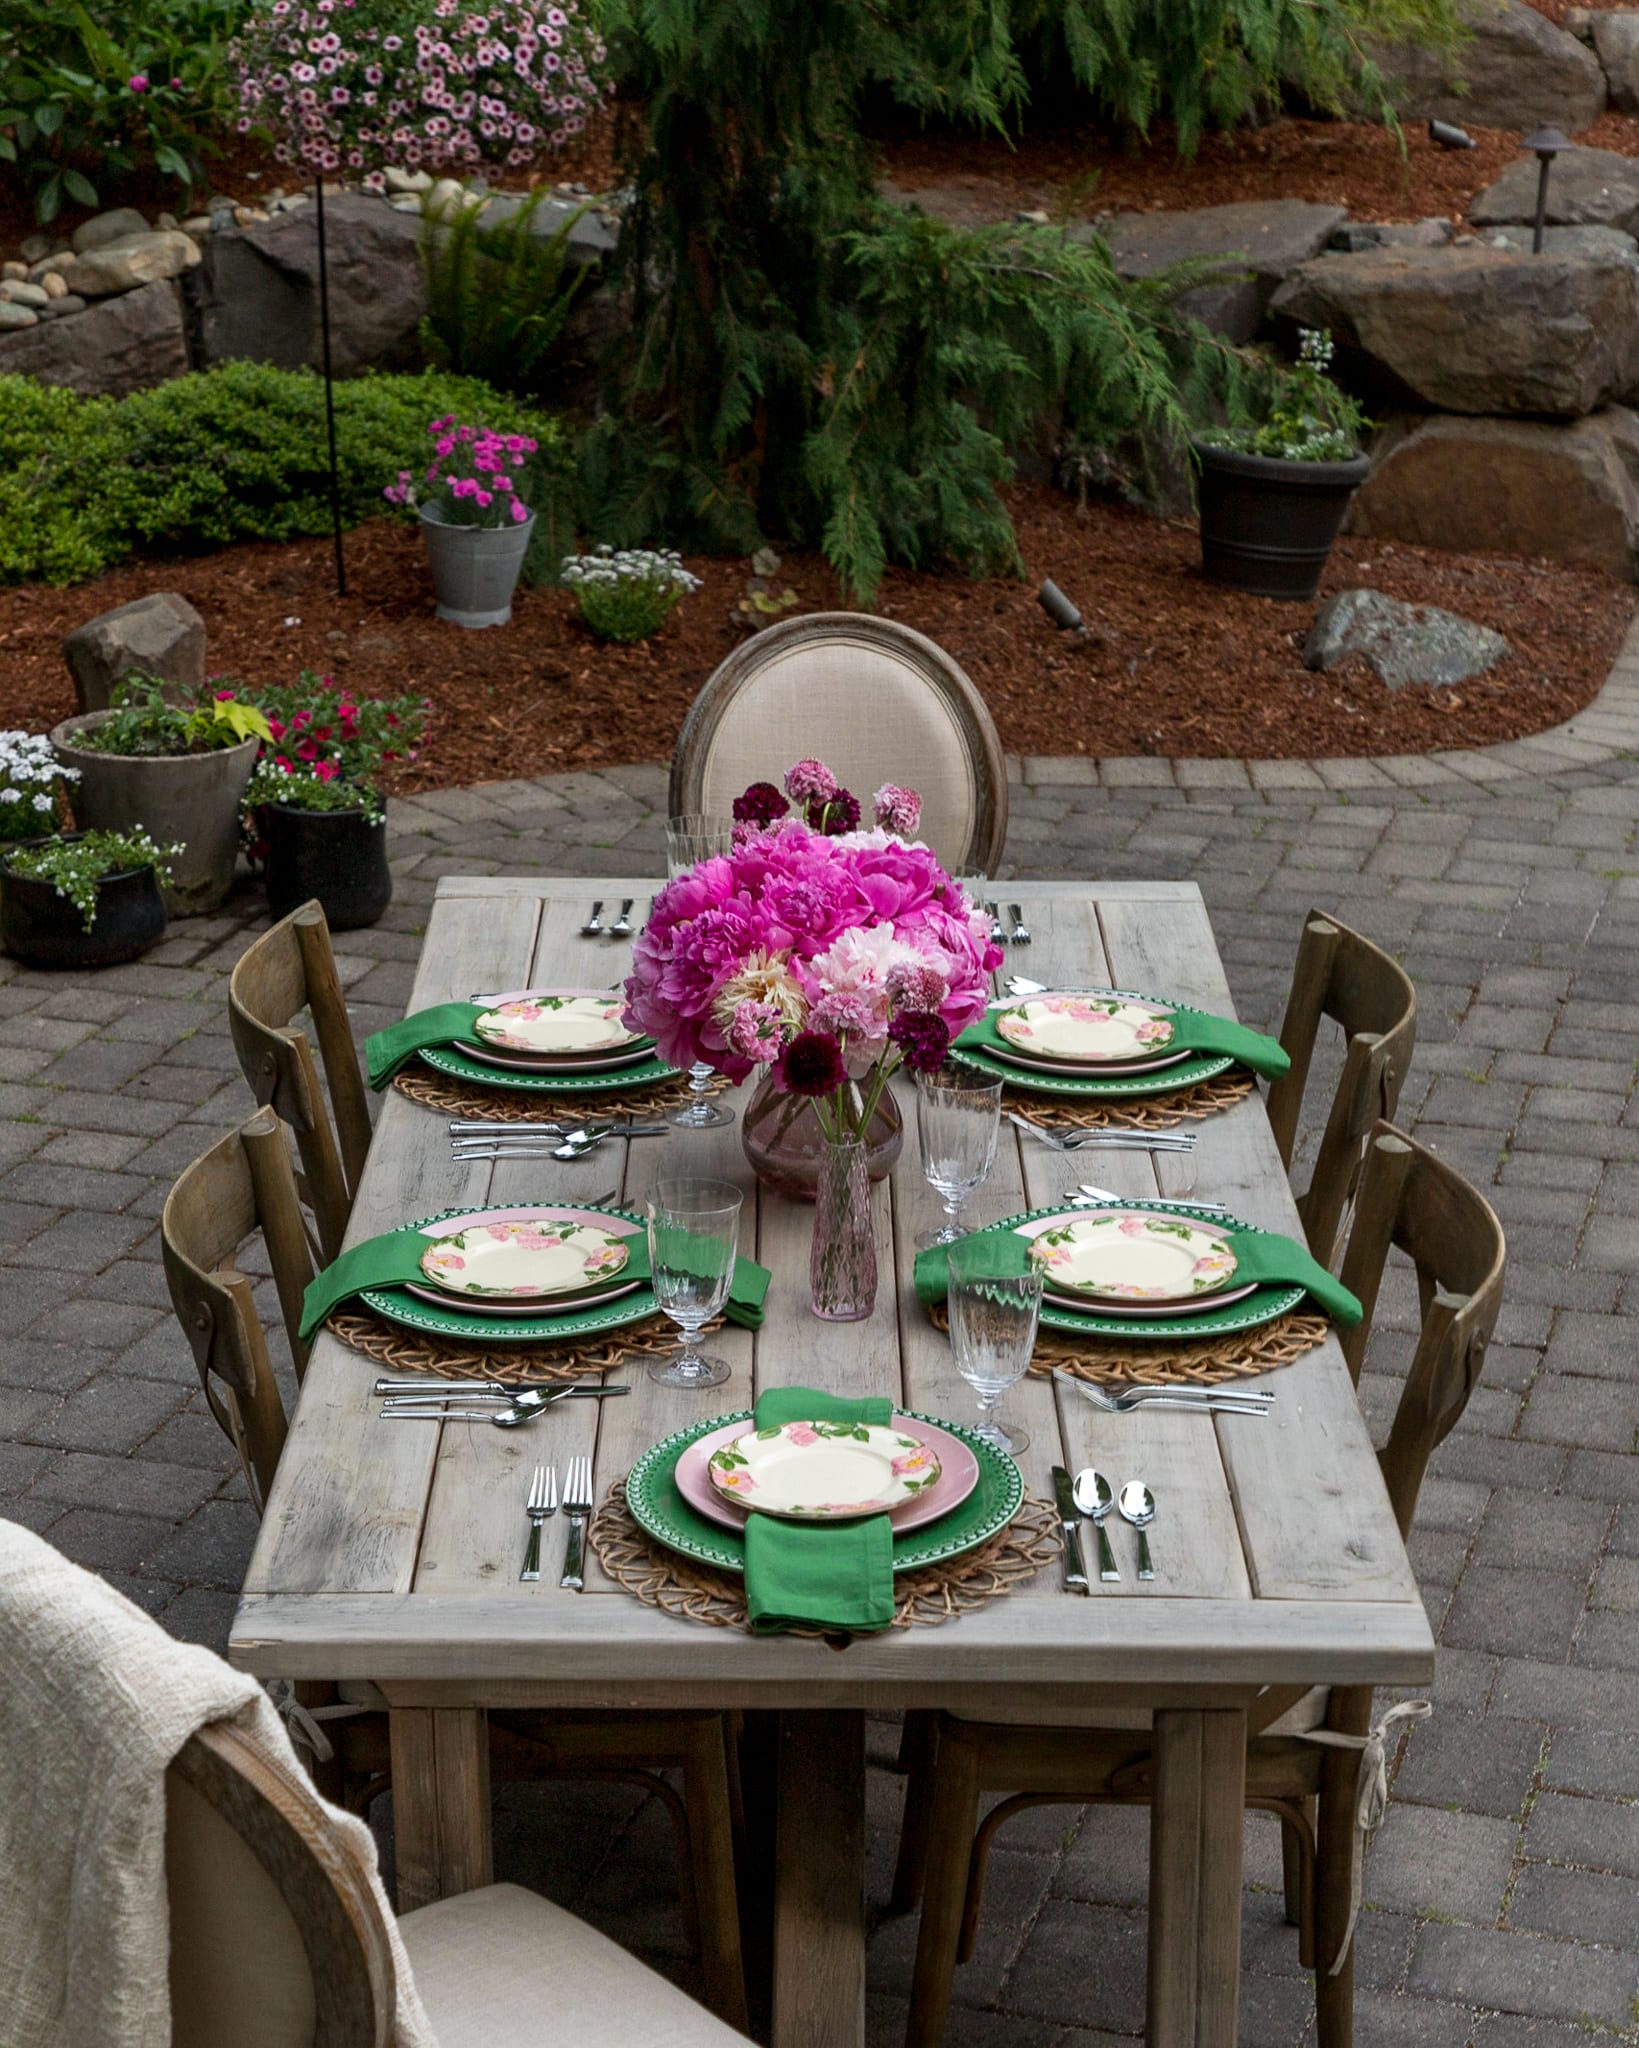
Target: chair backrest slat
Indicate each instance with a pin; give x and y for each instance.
(289, 968)
(1342, 975)
(872, 699)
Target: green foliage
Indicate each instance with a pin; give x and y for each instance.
(499, 297)
(1210, 63)
(76, 863)
(629, 595)
(234, 453)
(142, 89)
(1304, 416)
(144, 722)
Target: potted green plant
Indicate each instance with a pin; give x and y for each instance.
(176, 770)
(475, 518)
(314, 819)
(34, 786)
(83, 899)
(1273, 496)
(629, 595)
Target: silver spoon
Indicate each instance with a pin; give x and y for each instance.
(1095, 1497)
(622, 926)
(1138, 1507)
(593, 925)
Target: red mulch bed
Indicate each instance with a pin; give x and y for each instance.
(1170, 664)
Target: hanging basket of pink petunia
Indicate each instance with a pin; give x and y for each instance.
(357, 85)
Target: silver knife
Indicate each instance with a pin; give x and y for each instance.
(1075, 1568)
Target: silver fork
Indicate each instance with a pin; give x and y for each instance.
(1117, 1141)
(1020, 934)
(593, 927)
(622, 926)
(1203, 1400)
(577, 1505)
(543, 1501)
(997, 936)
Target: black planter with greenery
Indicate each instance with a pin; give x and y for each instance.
(1273, 496)
(1268, 523)
(44, 926)
(338, 856)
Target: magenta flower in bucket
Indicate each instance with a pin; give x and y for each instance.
(475, 517)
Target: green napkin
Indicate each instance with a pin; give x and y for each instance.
(386, 1051)
(1192, 1031)
(833, 1575)
(1261, 1256)
(395, 1257)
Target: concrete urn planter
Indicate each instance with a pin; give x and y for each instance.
(188, 798)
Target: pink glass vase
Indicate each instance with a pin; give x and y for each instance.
(783, 1141)
(842, 1261)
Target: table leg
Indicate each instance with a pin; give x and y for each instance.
(819, 1903)
(441, 1833)
(1196, 1824)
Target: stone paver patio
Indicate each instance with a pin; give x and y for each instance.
(1503, 1893)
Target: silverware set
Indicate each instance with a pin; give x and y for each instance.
(1092, 1495)
(542, 1505)
(1019, 935)
(567, 1141)
(1067, 1138)
(1085, 1196)
(425, 1400)
(619, 927)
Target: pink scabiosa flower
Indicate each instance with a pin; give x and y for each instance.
(812, 1065)
(923, 1039)
(138, 81)
(760, 805)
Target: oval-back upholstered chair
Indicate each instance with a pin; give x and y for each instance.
(873, 700)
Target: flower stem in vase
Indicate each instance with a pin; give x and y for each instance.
(842, 1261)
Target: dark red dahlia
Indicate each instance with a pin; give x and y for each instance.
(923, 1039)
(761, 805)
(812, 1064)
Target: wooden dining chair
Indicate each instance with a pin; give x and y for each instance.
(278, 1938)
(1304, 1757)
(873, 700)
(292, 968)
(1342, 975)
(244, 1185)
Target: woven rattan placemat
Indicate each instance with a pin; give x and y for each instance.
(534, 1364)
(661, 1578)
(503, 1106)
(1146, 1113)
(1240, 1355)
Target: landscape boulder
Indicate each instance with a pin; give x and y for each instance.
(1566, 491)
(1587, 188)
(1403, 643)
(1475, 329)
(1519, 70)
(118, 345)
(103, 228)
(1567, 242)
(162, 635)
(1616, 42)
(256, 295)
(123, 265)
(1260, 242)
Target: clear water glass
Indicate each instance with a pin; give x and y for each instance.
(993, 1317)
(692, 837)
(958, 1117)
(694, 1233)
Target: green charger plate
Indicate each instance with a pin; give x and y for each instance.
(1261, 1306)
(660, 1510)
(470, 1327)
(1201, 1066)
(460, 1066)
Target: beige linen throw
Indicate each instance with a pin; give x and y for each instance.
(95, 1701)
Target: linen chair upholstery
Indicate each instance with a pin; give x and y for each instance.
(1344, 976)
(876, 702)
(291, 967)
(1408, 1198)
(278, 1940)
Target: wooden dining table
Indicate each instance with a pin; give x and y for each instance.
(390, 1551)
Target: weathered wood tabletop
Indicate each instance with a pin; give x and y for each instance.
(390, 1551)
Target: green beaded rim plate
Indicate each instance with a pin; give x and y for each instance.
(460, 1066)
(470, 1326)
(1205, 1066)
(662, 1512)
(1263, 1305)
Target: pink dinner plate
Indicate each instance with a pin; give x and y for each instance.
(958, 1475)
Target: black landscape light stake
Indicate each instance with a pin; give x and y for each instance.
(1545, 145)
(1449, 136)
(1058, 607)
(329, 390)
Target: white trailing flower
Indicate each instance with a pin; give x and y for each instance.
(27, 758)
(659, 568)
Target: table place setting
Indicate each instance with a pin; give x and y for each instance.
(536, 1290)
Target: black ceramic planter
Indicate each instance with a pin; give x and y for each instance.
(1267, 525)
(46, 930)
(338, 856)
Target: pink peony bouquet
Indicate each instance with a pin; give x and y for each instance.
(826, 957)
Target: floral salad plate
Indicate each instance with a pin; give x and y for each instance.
(823, 1471)
(1088, 1030)
(1134, 1255)
(958, 1476)
(529, 1259)
(559, 1024)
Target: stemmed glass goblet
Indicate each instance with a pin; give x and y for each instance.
(694, 1233)
(993, 1312)
(958, 1116)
